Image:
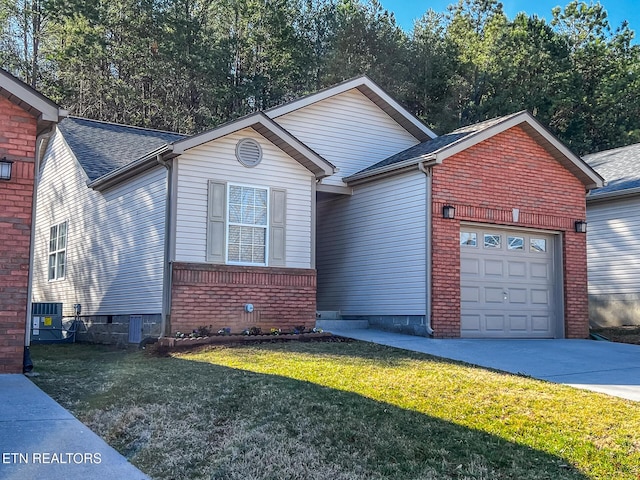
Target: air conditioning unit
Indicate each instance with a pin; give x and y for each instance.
(46, 324)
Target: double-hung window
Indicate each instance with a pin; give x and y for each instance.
(58, 251)
(248, 222)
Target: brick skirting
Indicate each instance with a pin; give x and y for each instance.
(215, 295)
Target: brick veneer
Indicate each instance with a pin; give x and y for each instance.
(484, 183)
(203, 295)
(17, 143)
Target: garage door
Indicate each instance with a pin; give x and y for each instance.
(507, 283)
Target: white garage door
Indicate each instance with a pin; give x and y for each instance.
(507, 286)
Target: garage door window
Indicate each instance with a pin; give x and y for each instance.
(515, 243)
(492, 241)
(538, 245)
(468, 239)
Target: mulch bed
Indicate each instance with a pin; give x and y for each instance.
(172, 344)
(626, 334)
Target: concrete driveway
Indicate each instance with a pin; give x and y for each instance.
(606, 367)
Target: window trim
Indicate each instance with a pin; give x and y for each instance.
(228, 224)
(55, 253)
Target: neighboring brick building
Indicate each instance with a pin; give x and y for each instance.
(25, 118)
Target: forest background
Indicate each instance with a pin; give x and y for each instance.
(189, 65)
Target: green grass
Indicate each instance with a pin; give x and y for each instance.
(338, 411)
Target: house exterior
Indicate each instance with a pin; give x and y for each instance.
(613, 213)
(330, 203)
(508, 264)
(26, 117)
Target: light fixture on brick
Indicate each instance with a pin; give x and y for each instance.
(5, 169)
(449, 212)
(581, 226)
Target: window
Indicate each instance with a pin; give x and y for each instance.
(247, 225)
(57, 251)
(492, 241)
(515, 243)
(538, 245)
(469, 239)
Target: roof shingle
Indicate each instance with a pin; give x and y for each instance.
(103, 147)
(620, 167)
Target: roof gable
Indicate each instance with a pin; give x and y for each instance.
(29, 99)
(373, 92)
(269, 130)
(620, 168)
(437, 150)
(101, 147)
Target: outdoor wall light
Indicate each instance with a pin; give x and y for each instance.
(449, 212)
(581, 226)
(5, 169)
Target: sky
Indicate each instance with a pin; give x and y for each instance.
(406, 11)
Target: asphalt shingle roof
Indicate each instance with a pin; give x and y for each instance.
(620, 168)
(438, 143)
(103, 147)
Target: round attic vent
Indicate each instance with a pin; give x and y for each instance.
(248, 152)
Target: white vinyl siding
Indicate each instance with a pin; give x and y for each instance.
(115, 239)
(216, 161)
(371, 249)
(613, 248)
(348, 130)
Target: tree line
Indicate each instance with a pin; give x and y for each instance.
(188, 65)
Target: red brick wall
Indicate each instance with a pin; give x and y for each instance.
(215, 295)
(17, 143)
(485, 183)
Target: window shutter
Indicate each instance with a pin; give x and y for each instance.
(277, 228)
(216, 211)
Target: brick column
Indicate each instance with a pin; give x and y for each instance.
(17, 143)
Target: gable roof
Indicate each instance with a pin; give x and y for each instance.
(620, 167)
(30, 100)
(373, 92)
(435, 151)
(102, 147)
(270, 130)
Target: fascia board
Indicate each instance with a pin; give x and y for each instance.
(366, 86)
(265, 127)
(618, 194)
(49, 111)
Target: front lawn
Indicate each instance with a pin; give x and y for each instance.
(337, 411)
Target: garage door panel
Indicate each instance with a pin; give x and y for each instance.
(540, 270)
(517, 269)
(540, 323)
(518, 323)
(470, 323)
(507, 283)
(493, 268)
(518, 295)
(470, 294)
(493, 295)
(494, 323)
(540, 297)
(470, 266)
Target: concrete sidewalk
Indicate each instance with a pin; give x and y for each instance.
(41, 440)
(606, 367)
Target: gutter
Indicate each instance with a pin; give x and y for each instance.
(427, 170)
(618, 194)
(130, 170)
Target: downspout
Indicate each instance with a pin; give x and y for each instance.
(42, 139)
(166, 268)
(428, 247)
